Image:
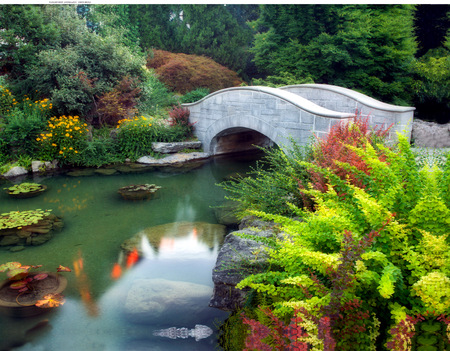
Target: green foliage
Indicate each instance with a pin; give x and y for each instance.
(213, 32)
(71, 65)
(20, 131)
(363, 47)
(194, 95)
(100, 152)
(283, 79)
(155, 96)
(325, 259)
(273, 183)
(135, 136)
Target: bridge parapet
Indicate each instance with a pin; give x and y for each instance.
(276, 113)
(345, 100)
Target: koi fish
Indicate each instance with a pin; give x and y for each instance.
(132, 258)
(116, 271)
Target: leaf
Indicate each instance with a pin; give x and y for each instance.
(17, 273)
(50, 301)
(63, 269)
(19, 285)
(9, 265)
(40, 276)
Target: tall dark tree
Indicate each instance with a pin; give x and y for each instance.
(365, 47)
(432, 67)
(432, 24)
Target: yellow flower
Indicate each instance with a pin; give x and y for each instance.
(38, 139)
(67, 134)
(53, 144)
(61, 152)
(76, 151)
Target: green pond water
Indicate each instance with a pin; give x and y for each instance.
(96, 222)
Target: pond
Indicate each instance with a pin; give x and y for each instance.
(104, 292)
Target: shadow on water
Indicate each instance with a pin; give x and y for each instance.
(119, 296)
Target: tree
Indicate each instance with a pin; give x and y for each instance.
(61, 59)
(364, 47)
(432, 67)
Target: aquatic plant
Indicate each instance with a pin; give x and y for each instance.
(24, 188)
(19, 219)
(23, 279)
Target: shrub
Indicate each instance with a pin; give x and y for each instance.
(391, 257)
(64, 139)
(99, 152)
(135, 136)
(272, 183)
(23, 123)
(179, 116)
(119, 103)
(194, 95)
(285, 78)
(154, 95)
(183, 73)
(333, 150)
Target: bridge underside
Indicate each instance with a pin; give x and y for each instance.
(238, 139)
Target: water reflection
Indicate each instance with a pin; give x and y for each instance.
(84, 286)
(175, 239)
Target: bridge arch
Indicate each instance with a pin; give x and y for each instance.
(277, 114)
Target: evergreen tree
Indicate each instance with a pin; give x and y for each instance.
(364, 47)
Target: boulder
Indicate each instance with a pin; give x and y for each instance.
(43, 166)
(225, 213)
(170, 148)
(429, 134)
(153, 300)
(15, 172)
(173, 159)
(238, 258)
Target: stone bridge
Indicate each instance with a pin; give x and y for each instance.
(236, 119)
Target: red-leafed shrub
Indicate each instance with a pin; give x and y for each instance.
(179, 116)
(119, 103)
(333, 148)
(275, 336)
(184, 73)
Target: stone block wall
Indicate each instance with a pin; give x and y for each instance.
(345, 100)
(277, 114)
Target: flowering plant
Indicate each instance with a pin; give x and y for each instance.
(64, 139)
(7, 100)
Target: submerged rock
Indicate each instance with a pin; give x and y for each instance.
(153, 300)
